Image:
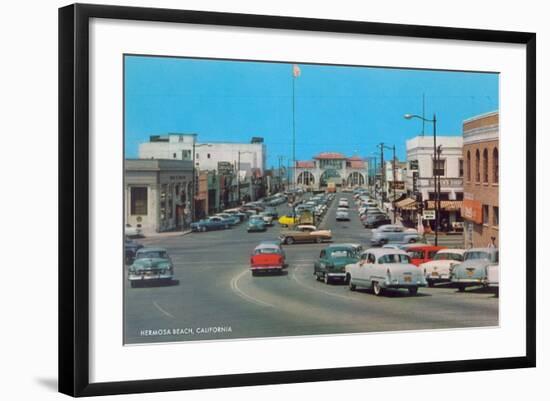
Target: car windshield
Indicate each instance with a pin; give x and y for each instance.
(394, 258)
(152, 255)
(261, 251)
(448, 256)
(341, 253)
(477, 255)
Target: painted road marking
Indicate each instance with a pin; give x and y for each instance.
(239, 292)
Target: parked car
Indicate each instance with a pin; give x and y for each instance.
(332, 262)
(342, 214)
(255, 224)
(267, 257)
(439, 269)
(305, 233)
(234, 220)
(151, 264)
(268, 219)
(209, 225)
(493, 276)
(132, 232)
(473, 271)
(422, 253)
(376, 220)
(287, 220)
(237, 213)
(343, 202)
(391, 233)
(130, 249)
(382, 268)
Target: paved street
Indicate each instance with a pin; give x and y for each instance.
(215, 295)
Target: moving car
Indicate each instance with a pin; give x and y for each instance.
(422, 253)
(268, 219)
(232, 219)
(391, 233)
(130, 249)
(332, 262)
(210, 224)
(376, 220)
(343, 202)
(305, 233)
(287, 220)
(473, 271)
(131, 231)
(439, 269)
(255, 224)
(342, 214)
(267, 257)
(151, 265)
(382, 268)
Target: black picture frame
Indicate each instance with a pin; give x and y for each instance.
(74, 198)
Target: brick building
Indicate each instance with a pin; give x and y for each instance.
(480, 208)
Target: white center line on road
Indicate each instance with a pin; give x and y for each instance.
(239, 292)
(162, 310)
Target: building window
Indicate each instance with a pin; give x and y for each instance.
(138, 201)
(469, 166)
(495, 166)
(486, 215)
(459, 196)
(174, 155)
(485, 166)
(439, 167)
(208, 155)
(461, 168)
(477, 166)
(197, 156)
(495, 216)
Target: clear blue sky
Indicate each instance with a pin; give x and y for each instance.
(341, 109)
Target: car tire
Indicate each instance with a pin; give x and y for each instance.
(413, 290)
(376, 289)
(226, 227)
(318, 240)
(289, 240)
(202, 229)
(254, 273)
(327, 279)
(461, 288)
(133, 284)
(430, 283)
(351, 286)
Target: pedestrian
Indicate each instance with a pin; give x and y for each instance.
(492, 243)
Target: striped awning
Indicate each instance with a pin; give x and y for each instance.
(407, 204)
(448, 205)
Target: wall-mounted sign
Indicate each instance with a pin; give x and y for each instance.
(225, 168)
(472, 210)
(413, 164)
(428, 215)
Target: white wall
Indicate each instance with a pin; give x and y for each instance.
(29, 89)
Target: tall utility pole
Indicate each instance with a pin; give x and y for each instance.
(393, 183)
(295, 74)
(194, 183)
(239, 178)
(382, 171)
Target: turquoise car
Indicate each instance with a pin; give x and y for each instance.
(151, 265)
(474, 270)
(256, 224)
(333, 260)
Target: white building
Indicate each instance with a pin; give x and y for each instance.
(421, 168)
(331, 167)
(400, 178)
(249, 158)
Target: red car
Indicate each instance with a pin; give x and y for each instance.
(422, 253)
(268, 257)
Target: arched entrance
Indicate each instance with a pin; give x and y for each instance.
(330, 175)
(306, 178)
(355, 179)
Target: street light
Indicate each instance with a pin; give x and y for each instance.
(436, 193)
(392, 148)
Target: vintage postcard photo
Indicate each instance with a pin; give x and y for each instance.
(272, 199)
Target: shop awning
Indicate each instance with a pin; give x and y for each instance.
(448, 205)
(407, 204)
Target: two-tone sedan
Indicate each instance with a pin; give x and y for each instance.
(439, 269)
(332, 262)
(305, 233)
(151, 265)
(474, 270)
(382, 268)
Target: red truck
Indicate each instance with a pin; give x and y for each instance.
(422, 253)
(268, 257)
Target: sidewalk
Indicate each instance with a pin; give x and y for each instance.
(167, 234)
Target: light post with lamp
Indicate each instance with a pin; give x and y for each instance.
(193, 217)
(435, 160)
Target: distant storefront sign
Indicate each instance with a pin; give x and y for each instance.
(398, 185)
(225, 168)
(472, 209)
(428, 215)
